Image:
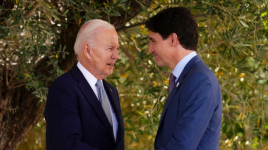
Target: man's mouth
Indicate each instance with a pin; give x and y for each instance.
(110, 64)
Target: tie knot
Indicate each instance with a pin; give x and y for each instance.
(99, 84)
(172, 78)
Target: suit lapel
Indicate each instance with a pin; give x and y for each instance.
(179, 82)
(112, 94)
(90, 96)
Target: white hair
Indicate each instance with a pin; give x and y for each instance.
(87, 33)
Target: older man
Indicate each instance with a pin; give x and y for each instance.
(83, 110)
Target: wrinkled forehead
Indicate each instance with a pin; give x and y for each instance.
(107, 36)
(103, 30)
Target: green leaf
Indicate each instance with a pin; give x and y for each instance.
(3, 27)
(241, 44)
(54, 16)
(143, 6)
(131, 136)
(30, 84)
(130, 122)
(118, 2)
(128, 83)
(72, 2)
(35, 92)
(66, 12)
(234, 32)
(105, 4)
(215, 27)
(105, 10)
(60, 47)
(243, 23)
(45, 31)
(257, 2)
(115, 13)
(251, 49)
(41, 26)
(109, 19)
(203, 20)
(64, 48)
(262, 82)
(124, 7)
(156, 8)
(261, 47)
(16, 12)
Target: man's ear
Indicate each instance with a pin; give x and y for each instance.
(174, 39)
(87, 49)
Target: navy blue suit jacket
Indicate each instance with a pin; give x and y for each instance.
(191, 119)
(75, 118)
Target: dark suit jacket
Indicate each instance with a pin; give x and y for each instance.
(75, 118)
(191, 118)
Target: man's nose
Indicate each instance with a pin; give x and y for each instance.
(115, 55)
(151, 49)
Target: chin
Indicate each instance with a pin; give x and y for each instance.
(159, 64)
(109, 72)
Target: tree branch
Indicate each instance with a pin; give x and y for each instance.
(7, 84)
(128, 27)
(217, 43)
(31, 12)
(229, 93)
(132, 59)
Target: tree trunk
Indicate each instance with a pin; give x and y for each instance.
(19, 112)
(18, 115)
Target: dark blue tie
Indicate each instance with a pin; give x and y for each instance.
(172, 79)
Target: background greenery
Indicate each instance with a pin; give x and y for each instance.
(232, 42)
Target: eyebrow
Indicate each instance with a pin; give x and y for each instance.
(152, 39)
(114, 46)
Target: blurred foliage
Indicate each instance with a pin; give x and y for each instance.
(232, 42)
(36, 139)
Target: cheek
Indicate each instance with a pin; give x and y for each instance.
(104, 60)
(159, 48)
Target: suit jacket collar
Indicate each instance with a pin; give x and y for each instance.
(185, 71)
(112, 94)
(93, 100)
(114, 101)
(182, 63)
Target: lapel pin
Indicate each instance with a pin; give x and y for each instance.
(111, 90)
(177, 84)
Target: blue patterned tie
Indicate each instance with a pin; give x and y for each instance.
(172, 79)
(104, 101)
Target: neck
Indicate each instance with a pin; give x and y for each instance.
(178, 56)
(89, 68)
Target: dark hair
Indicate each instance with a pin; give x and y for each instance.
(177, 20)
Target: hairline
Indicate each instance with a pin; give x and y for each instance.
(88, 33)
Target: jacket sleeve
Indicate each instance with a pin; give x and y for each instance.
(196, 112)
(63, 120)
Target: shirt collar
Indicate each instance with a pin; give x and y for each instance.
(181, 64)
(89, 77)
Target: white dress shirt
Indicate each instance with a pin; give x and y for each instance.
(92, 82)
(181, 64)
